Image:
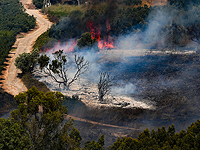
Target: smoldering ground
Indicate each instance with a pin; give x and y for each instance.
(168, 82)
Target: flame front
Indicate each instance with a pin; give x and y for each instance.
(68, 47)
(107, 42)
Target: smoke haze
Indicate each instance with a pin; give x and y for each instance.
(166, 84)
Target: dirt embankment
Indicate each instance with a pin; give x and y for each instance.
(10, 82)
(154, 2)
(98, 123)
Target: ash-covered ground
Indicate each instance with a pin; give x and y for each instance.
(115, 62)
(153, 89)
(86, 86)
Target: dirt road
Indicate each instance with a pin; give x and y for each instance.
(98, 123)
(12, 84)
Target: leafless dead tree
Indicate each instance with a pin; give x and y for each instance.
(104, 85)
(58, 68)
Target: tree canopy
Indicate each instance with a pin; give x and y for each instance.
(26, 61)
(57, 68)
(42, 118)
(183, 3)
(13, 17)
(13, 20)
(162, 139)
(12, 135)
(39, 123)
(73, 22)
(85, 40)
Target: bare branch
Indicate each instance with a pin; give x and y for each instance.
(82, 67)
(104, 85)
(57, 68)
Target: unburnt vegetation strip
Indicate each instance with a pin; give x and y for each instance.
(13, 20)
(172, 81)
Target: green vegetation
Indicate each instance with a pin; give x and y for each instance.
(95, 145)
(39, 3)
(104, 18)
(57, 68)
(26, 61)
(38, 123)
(42, 40)
(7, 39)
(183, 3)
(13, 20)
(162, 139)
(6, 102)
(29, 81)
(13, 17)
(122, 18)
(48, 129)
(86, 40)
(41, 118)
(12, 135)
(64, 10)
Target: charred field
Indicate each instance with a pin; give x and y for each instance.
(169, 81)
(7, 102)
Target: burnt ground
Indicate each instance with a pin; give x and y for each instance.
(172, 82)
(6, 102)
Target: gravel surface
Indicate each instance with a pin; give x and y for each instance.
(12, 84)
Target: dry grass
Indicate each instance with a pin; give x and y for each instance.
(154, 2)
(6, 102)
(64, 9)
(29, 81)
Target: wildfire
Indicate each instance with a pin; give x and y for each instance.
(105, 43)
(95, 31)
(67, 47)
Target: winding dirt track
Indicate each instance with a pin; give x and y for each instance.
(98, 123)
(12, 84)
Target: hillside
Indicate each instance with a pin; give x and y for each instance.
(150, 49)
(155, 60)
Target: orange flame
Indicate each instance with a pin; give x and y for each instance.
(91, 27)
(107, 43)
(68, 47)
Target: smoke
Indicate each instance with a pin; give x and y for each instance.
(124, 89)
(156, 21)
(166, 84)
(160, 29)
(134, 71)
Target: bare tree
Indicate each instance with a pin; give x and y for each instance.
(58, 67)
(104, 85)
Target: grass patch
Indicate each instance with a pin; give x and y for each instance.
(42, 40)
(29, 81)
(6, 102)
(64, 10)
(21, 36)
(13, 49)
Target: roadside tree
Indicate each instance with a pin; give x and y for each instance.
(12, 135)
(95, 145)
(26, 61)
(86, 40)
(42, 117)
(104, 85)
(58, 67)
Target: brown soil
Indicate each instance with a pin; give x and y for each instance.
(98, 123)
(154, 2)
(9, 78)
